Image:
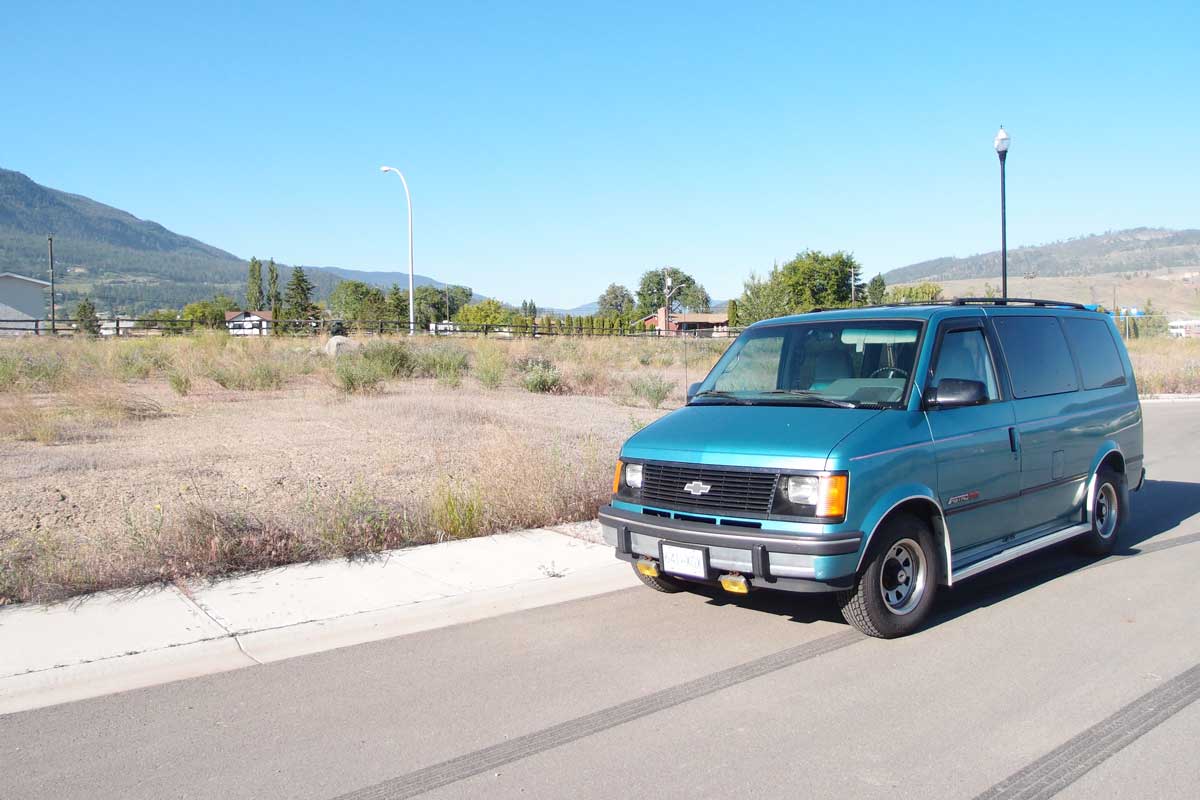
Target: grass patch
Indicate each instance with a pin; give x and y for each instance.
(491, 367)
(391, 359)
(357, 375)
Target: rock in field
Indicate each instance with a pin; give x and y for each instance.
(337, 345)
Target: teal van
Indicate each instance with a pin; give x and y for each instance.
(880, 453)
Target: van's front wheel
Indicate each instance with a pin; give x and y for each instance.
(893, 595)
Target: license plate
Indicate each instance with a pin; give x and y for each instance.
(690, 561)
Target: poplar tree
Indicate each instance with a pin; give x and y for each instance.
(254, 286)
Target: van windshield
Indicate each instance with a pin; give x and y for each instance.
(847, 363)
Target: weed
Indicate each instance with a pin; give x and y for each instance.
(457, 511)
(490, 366)
(654, 389)
(180, 382)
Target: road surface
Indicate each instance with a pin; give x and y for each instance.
(1056, 675)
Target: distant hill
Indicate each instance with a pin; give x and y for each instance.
(1134, 250)
(128, 264)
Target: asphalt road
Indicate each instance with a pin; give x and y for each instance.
(1055, 675)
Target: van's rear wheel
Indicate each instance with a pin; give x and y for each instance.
(893, 595)
(659, 583)
(1108, 513)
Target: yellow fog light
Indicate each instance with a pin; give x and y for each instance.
(647, 568)
(735, 584)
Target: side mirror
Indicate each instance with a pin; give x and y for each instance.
(691, 392)
(954, 392)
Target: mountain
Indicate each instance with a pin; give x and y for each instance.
(1134, 250)
(128, 264)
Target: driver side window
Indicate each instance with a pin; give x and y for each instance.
(964, 355)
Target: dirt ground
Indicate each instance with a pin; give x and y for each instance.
(289, 449)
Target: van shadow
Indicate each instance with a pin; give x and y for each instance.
(1160, 506)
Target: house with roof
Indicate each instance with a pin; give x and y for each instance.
(22, 303)
(249, 323)
(708, 323)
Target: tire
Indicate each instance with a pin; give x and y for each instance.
(660, 584)
(1110, 509)
(894, 593)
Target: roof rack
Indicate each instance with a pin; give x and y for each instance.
(1004, 301)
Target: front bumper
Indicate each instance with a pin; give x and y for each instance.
(768, 559)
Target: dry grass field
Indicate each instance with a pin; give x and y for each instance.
(129, 462)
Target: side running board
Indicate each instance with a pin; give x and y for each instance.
(1019, 550)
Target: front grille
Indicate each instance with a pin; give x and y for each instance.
(730, 490)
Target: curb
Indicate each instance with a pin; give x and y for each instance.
(118, 641)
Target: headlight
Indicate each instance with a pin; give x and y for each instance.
(822, 496)
(633, 476)
(802, 490)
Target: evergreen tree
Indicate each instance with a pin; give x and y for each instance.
(876, 290)
(274, 298)
(85, 317)
(254, 286)
(732, 311)
(297, 300)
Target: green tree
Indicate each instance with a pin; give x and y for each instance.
(486, 312)
(355, 300)
(298, 297)
(732, 312)
(85, 317)
(917, 293)
(254, 286)
(274, 298)
(818, 280)
(210, 313)
(651, 293)
(763, 298)
(695, 298)
(616, 299)
(876, 290)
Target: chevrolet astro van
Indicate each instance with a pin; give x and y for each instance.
(880, 453)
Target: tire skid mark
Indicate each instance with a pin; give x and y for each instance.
(1069, 762)
(470, 764)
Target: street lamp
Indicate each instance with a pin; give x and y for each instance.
(412, 300)
(1001, 143)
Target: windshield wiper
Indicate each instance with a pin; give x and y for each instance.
(723, 396)
(807, 395)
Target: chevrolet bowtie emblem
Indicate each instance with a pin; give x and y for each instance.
(697, 488)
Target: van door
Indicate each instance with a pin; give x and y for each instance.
(1056, 438)
(978, 466)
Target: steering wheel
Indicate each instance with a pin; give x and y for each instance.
(892, 372)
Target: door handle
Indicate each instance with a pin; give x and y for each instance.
(1014, 440)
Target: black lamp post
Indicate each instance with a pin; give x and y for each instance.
(1001, 143)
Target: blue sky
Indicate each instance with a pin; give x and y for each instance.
(553, 148)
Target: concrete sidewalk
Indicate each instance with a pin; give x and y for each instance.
(115, 641)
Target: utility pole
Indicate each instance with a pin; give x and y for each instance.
(50, 241)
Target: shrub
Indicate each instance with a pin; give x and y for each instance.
(645, 357)
(490, 367)
(357, 375)
(526, 363)
(391, 359)
(654, 389)
(542, 379)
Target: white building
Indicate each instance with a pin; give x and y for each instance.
(248, 323)
(1184, 328)
(22, 300)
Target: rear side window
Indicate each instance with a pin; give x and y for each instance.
(1039, 360)
(1094, 348)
